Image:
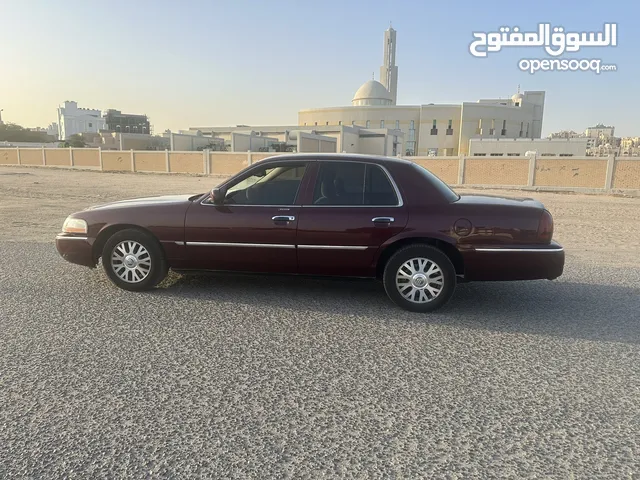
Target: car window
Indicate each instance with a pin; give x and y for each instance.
(271, 185)
(378, 189)
(340, 184)
(353, 184)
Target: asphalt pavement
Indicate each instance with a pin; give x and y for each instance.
(276, 377)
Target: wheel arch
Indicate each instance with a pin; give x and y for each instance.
(447, 248)
(110, 230)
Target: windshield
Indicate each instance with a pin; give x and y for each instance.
(442, 187)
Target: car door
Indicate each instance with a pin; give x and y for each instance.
(354, 208)
(254, 229)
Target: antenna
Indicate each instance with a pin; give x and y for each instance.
(389, 23)
(373, 75)
(518, 88)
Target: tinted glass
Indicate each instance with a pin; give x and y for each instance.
(352, 183)
(378, 188)
(340, 184)
(273, 185)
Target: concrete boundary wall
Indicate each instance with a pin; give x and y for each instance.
(571, 174)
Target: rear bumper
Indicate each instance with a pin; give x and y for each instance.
(535, 262)
(76, 249)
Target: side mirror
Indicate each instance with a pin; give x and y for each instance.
(218, 194)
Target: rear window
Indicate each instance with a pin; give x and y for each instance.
(442, 187)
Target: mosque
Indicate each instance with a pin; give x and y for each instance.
(375, 124)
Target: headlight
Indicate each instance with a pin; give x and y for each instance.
(74, 225)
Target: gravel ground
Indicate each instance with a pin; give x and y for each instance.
(256, 377)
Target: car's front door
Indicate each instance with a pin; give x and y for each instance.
(355, 207)
(254, 229)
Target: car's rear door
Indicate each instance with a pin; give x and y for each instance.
(254, 230)
(351, 209)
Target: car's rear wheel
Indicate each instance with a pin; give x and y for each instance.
(134, 260)
(419, 278)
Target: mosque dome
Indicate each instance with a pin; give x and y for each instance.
(517, 99)
(372, 93)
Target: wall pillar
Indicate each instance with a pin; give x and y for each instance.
(166, 160)
(249, 158)
(71, 156)
(100, 158)
(133, 161)
(205, 161)
(461, 167)
(611, 163)
(18, 155)
(531, 179)
(44, 158)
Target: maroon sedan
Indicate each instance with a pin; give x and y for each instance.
(323, 214)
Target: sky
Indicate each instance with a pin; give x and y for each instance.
(217, 63)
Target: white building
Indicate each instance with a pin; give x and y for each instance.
(53, 130)
(73, 120)
(327, 138)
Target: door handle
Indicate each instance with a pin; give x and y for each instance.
(283, 218)
(383, 220)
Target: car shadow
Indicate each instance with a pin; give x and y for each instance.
(559, 308)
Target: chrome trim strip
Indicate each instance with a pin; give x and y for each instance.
(333, 247)
(62, 237)
(233, 244)
(383, 219)
(178, 243)
(519, 250)
(283, 218)
(231, 205)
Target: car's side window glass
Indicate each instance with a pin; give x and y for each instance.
(353, 184)
(271, 185)
(378, 189)
(340, 184)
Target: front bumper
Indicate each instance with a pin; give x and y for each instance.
(535, 262)
(76, 249)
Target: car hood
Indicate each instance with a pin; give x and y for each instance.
(476, 199)
(146, 202)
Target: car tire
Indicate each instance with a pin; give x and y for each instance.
(134, 260)
(419, 278)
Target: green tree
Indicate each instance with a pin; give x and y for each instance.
(75, 141)
(10, 132)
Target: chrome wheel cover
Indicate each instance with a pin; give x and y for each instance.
(130, 261)
(420, 280)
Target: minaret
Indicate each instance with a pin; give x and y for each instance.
(388, 70)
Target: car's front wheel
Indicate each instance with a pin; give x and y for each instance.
(134, 260)
(419, 278)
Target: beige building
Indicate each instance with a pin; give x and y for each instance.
(518, 147)
(435, 129)
(600, 131)
(374, 123)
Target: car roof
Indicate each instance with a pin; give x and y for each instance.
(343, 157)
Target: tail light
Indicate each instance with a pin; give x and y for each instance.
(545, 227)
